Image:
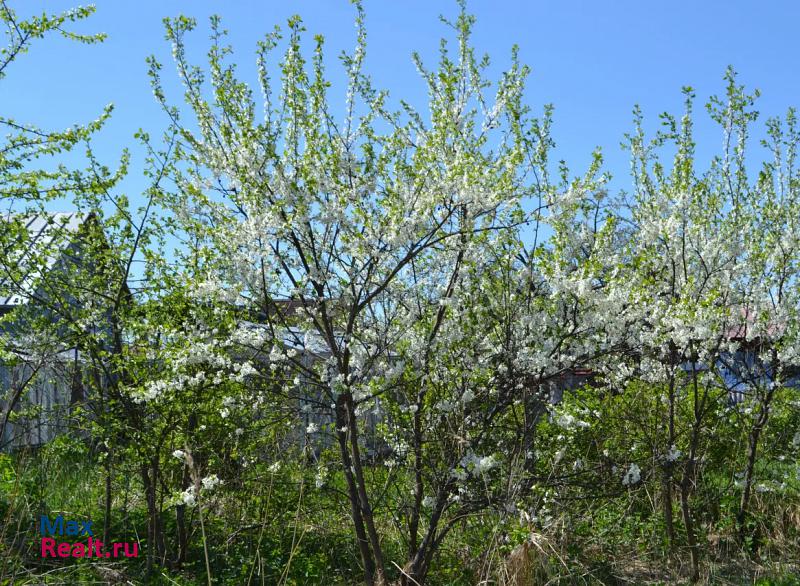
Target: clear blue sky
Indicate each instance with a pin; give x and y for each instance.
(593, 60)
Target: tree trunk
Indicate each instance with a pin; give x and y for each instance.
(688, 521)
(155, 538)
(669, 525)
(183, 536)
(108, 496)
(752, 452)
(688, 476)
(352, 493)
(366, 509)
(749, 471)
(149, 495)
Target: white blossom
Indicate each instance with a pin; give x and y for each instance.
(632, 476)
(209, 482)
(673, 454)
(188, 497)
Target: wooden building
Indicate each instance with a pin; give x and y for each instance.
(38, 383)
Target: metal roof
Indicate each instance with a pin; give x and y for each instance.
(44, 230)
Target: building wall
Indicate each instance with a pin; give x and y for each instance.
(44, 409)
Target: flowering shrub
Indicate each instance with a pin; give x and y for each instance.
(406, 333)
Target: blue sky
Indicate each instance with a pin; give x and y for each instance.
(593, 60)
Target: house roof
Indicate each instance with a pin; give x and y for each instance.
(746, 325)
(45, 230)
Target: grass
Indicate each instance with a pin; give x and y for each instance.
(270, 532)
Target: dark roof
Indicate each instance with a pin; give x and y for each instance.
(746, 323)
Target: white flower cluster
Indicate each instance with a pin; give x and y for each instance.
(321, 477)
(188, 497)
(569, 422)
(632, 476)
(673, 454)
(475, 465)
(210, 482)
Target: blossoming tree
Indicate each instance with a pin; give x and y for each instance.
(398, 238)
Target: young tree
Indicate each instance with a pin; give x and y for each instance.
(707, 272)
(73, 281)
(25, 187)
(398, 238)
